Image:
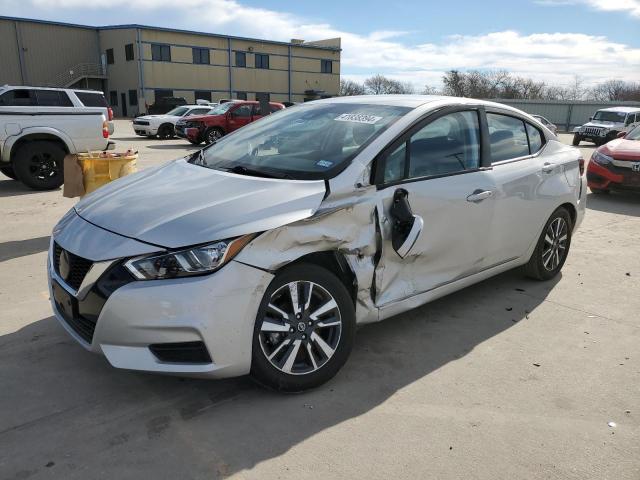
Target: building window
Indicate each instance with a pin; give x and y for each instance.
(263, 97)
(128, 52)
(133, 97)
(160, 93)
(241, 59)
(203, 95)
(201, 56)
(262, 60)
(326, 66)
(113, 98)
(160, 53)
(241, 95)
(110, 59)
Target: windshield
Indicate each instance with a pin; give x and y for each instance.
(633, 134)
(221, 109)
(609, 116)
(178, 111)
(311, 141)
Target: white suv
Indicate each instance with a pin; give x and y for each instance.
(163, 126)
(39, 126)
(606, 124)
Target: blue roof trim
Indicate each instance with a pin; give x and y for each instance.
(164, 29)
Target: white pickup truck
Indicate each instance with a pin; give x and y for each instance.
(39, 126)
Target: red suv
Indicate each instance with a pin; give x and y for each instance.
(223, 119)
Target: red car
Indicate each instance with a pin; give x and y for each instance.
(223, 119)
(616, 165)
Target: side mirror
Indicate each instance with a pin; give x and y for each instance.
(590, 118)
(407, 227)
(621, 134)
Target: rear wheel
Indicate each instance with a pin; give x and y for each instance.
(576, 140)
(552, 248)
(39, 165)
(304, 329)
(8, 171)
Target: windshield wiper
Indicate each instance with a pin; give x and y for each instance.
(242, 170)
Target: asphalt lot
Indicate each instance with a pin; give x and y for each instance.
(508, 379)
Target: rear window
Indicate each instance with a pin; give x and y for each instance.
(89, 99)
(52, 98)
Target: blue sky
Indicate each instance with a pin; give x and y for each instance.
(414, 41)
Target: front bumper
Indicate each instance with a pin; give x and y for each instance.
(146, 130)
(218, 310)
(612, 177)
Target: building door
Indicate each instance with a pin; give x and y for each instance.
(123, 97)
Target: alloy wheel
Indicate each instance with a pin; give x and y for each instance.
(43, 166)
(555, 244)
(214, 136)
(300, 328)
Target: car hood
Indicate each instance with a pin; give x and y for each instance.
(157, 117)
(622, 149)
(181, 204)
(602, 124)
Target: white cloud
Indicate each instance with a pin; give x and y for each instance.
(630, 6)
(552, 57)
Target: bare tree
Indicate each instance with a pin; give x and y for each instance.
(349, 87)
(616, 90)
(429, 90)
(381, 85)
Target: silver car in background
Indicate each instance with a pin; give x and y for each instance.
(551, 126)
(262, 252)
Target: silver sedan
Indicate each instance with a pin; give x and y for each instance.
(262, 252)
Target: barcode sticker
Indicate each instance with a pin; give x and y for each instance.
(358, 118)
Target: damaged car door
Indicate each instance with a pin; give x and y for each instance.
(437, 205)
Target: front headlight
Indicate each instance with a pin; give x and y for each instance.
(186, 263)
(601, 158)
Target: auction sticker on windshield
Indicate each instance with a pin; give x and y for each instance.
(358, 118)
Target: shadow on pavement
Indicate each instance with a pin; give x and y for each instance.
(65, 406)
(21, 248)
(14, 188)
(621, 203)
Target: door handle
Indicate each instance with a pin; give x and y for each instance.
(479, 195)
(548, 167)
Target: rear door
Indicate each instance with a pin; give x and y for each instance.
(527, 182)
(437, 205)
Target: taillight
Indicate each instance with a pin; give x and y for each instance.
(105, 129)
(110, 111)
(581, 165)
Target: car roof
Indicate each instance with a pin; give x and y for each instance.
(620, 109)
(51, 88)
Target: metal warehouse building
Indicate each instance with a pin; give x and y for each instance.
(136, 64)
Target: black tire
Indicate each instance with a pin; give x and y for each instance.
(8, 171)
(599, 191)
(213, 135)
(312, 363)
(39, 165)
(166, 131)
(576, 140)
(544, 265)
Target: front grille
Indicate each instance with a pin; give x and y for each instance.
(596, 131)
(183, 352)
(76, 269)
(140, 122)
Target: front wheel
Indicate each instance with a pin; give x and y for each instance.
(304, 329)
(576, 140)
(166, 132)
(552, 248)
(213, 135)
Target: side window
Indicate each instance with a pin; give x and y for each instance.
(507, 136)
(198, 111)
(630, 119)
(18, 98)
(243, 111)
(52, 98)
(92, 99)
(449, 144)
(395, 164)
(535, 139)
